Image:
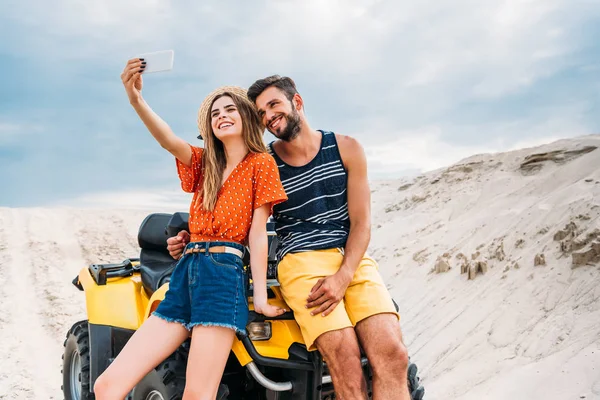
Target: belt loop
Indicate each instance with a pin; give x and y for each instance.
(206, 247)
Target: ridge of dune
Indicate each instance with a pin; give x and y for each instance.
(519, 330)
(514, 331)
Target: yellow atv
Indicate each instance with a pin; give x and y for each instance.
(269, 362)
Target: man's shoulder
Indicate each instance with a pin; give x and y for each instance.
(271, 146)
(349, 147)
(345, 140)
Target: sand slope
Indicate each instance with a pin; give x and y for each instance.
(518, 331)
(41, 251)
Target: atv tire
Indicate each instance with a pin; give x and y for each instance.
(76, 363)
(417, 392)
(166, 382)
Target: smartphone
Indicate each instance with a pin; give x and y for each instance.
(158, 61)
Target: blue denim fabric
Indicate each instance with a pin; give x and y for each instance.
(207, 289)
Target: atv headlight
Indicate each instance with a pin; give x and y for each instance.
(259, 331)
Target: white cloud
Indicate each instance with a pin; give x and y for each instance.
(169, 199)
(382, 50)
(432, 147)
(494, 48)
(118, 17)
(414, 43)
(425, 83)
(420, 150)
(8, 128)
(10, 131)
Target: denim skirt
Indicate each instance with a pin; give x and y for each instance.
(207, 289)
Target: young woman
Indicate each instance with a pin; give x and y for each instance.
(235, 185)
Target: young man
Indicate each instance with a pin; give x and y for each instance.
(335, 290)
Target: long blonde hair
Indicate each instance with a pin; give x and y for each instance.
(214, 159)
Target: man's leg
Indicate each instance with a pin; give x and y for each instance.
(378, 331)
(342, 354)
(332, 335)
(381, 339)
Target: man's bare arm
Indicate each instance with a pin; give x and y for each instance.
(328, 292)
(359, 203)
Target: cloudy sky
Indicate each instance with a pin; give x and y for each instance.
(420, 83)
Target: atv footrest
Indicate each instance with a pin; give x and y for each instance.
(101, 272)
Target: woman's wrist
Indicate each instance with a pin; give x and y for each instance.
(136, 101)
(259, 298)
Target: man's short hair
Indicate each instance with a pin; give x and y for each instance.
(285, 84)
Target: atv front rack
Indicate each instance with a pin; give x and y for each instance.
(300, 359)
(101, 272)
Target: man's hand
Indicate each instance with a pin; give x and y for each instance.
(176, 244)
(328, 292)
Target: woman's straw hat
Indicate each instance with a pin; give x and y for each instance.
(206, 104)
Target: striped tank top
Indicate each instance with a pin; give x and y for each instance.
(315, 216)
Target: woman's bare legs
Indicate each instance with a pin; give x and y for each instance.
(153, 342)
(206, 361)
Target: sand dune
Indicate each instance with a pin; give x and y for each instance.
(517, 331)
(41, 251)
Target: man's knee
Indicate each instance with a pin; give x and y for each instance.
(341, 351)
(381, 338)
(339, 344)
(392, 355)
(340, 348)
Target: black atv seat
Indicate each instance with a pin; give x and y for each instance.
(156, 265)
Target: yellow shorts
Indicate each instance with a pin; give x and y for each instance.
(366, 294)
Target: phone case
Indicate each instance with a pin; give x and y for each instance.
(158, 61)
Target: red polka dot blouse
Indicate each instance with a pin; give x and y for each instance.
(253, 183)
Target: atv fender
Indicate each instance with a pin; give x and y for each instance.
(284, 333)
(155, 299)
(121, 302)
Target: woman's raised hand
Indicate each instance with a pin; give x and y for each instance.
(132, 79)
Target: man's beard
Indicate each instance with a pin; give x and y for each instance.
(292, 127)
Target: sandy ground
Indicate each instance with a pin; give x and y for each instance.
(41, 251)
(517, 331)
